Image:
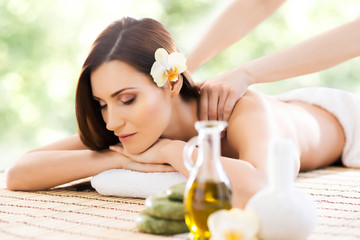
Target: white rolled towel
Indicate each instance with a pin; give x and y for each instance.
(127, 183)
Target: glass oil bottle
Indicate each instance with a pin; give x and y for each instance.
(208, 188)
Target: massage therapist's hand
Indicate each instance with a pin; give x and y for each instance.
(219, 95)
(150, 160)
(127, 162)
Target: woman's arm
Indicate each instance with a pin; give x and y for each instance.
(237, 19)
(65, 161)
(244, 178)
(315, 54)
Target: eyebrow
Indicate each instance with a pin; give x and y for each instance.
(115, 93)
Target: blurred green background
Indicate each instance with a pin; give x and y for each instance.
(44, 43)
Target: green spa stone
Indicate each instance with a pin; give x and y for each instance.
(161, 207)
(176, 192)
(149, 224)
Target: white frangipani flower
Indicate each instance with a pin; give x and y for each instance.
(234, 224)
(167, 67)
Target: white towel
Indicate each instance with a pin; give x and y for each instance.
(126, 183)
(344, 106)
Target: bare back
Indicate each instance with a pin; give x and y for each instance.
(320, 136)
(257, 119)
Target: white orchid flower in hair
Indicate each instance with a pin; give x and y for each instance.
(167, 67)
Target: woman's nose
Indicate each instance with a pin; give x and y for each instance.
(114, 120)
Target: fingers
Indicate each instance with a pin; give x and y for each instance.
(144, 158)
(144, 162)
(213, 100)
(231, 100)
(217, 100)
(117, 148)
(229, 105)
(222, 105)
(208, 108)
(203, 106)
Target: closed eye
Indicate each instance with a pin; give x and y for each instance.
(128, 102)
(127, 99)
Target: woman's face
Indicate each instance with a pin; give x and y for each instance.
(132, 106)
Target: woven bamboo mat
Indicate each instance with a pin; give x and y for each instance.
(78, 212)
(336, 192)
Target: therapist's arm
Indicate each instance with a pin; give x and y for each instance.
(220, 93)
(315, 54)
(237, 19)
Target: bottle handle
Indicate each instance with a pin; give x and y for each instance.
(187, 153)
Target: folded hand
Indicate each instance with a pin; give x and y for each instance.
(147, 161)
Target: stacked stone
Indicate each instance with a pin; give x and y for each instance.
(164, 212)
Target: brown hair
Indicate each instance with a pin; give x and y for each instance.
(131, 41)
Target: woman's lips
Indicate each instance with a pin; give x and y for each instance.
(125, 138)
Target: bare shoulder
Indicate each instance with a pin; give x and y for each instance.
(252, 100)
(69, 143)
(251, 127)
(251, 105)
